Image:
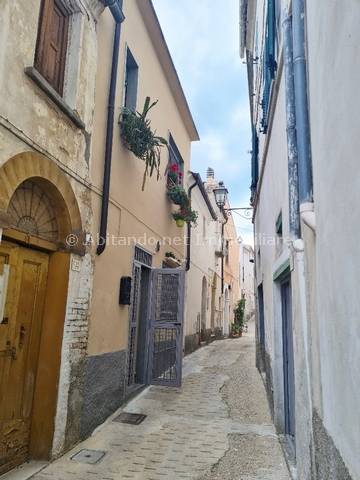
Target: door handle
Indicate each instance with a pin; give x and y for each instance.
(22, 336)
(9, 351)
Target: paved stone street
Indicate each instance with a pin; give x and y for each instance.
(217, 426)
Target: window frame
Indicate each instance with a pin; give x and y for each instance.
(269, 61)
(175, 154)
(132, 71)
(43, 41)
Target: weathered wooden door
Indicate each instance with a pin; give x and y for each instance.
(20, 330)
(166, 326)
(288, 360)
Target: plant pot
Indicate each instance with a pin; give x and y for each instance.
(180, 222)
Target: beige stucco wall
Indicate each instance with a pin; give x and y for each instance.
(205, 238)
(247, 278)
(231, 270)
(132, 212)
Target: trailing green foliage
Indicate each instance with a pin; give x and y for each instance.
(239, 314)
(187, 214)
(178, 195)
(141, 140)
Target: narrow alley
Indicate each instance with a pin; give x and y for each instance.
(217, 426)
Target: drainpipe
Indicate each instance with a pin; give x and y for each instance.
(222, 253)
(301, 206)
(188, 239)
(302, 115)
(116, 11)
(294, 216)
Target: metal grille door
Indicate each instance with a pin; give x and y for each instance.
(133, 327)
(166, 319)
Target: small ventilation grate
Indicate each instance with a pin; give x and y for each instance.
(130, 418)
(88, 456)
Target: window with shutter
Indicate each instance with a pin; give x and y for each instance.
(50, 57)
(269, 62)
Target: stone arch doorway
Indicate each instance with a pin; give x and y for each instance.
(204, 294)
(38, 210)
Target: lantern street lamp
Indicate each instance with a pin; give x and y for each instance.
(221, 195)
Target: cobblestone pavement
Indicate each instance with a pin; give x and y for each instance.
(217, 426)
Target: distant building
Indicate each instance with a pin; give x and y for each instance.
(212, 283)
(247, 278)
(304, 74)
(203, 279)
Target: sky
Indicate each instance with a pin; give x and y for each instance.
(203, 39)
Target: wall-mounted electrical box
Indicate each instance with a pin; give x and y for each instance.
(125, 291)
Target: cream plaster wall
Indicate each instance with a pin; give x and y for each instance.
(204, 263)
(132, 212)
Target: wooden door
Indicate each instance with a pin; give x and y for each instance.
(20, 331)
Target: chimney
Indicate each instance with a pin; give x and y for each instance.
(210, 174)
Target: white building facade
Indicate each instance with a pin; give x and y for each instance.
(247, 278)
(303, 81)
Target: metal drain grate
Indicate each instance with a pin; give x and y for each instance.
(88, 456)
(130, 418)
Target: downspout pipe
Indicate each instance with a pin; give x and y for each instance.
(188, 226)
(118, 16)
(302, 114)
(293, 178)
(115, 9)
(222, 253)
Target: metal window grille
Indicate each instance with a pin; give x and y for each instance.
(143, 257)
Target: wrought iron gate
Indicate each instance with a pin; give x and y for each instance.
(133, 324)
(166, 326)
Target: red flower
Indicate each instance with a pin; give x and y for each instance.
(174, 168)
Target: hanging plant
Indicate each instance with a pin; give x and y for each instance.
(178, 195)
(185, 214)
(179, 219)
(141, 140)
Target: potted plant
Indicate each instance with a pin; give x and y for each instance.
(179, 218)
(185, 214)
(178, 195)
(174, 175)
(141, 140)
(235, 331)
(239, 317)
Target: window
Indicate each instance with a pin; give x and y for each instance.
(50, 56)
(131, 81)
(254, 164)
(227, 250)
(269, 62)
(204, 227)
(176, 164)
(279, 232)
